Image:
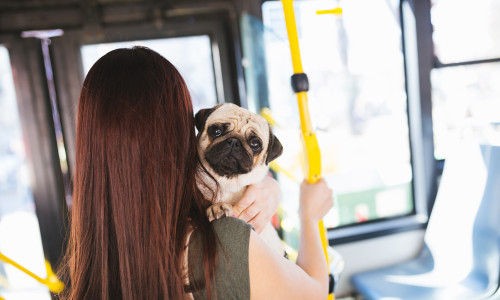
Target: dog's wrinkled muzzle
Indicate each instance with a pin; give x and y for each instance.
(229, 158)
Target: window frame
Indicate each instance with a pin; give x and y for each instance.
(416, 32)
(37, 124)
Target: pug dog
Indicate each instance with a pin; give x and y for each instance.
(235, 147)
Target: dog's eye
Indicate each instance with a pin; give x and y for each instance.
(214, 131)
(255, 145)
(217, 132)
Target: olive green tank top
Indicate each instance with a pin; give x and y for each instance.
(232, 278)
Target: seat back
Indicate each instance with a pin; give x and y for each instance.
(461, 257)
(486, 230)
(450, 229)
(463, 234)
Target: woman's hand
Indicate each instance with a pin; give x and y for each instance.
(315, 201)
(259, 203)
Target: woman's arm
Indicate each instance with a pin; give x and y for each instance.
(274, 277)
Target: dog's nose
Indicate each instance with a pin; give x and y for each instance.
(234, 142)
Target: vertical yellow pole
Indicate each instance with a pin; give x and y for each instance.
(312, 154)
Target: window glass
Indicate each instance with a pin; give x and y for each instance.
(466, 30)
(192, 56)
(19, 231)
(465, 105)
(357, 101)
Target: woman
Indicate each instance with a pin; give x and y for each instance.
(137, 214)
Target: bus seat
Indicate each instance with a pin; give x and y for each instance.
(461, 254)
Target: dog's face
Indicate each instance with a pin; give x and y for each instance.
(233, 141)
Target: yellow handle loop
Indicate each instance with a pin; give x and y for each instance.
(52, 282)
(312, 159)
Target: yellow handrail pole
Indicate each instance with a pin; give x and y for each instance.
(52, 283)
(312, 154)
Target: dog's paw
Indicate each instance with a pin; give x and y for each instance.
(218, 211)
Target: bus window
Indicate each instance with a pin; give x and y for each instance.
(19, 230)
(192, 56)
(465, 105)
(465, 92)
(465, 30)
(358, 105)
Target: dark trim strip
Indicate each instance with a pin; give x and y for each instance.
(438, 64)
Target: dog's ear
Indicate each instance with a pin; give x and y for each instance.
(201, 117)
(275, 149)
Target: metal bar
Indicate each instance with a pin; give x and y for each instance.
(44, 37)
(61, 148)
(438, 64)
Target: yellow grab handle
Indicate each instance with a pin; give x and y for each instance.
(312, 155)
(336, 11)
(52, 282)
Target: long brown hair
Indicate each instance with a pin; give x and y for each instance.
(134, 188)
